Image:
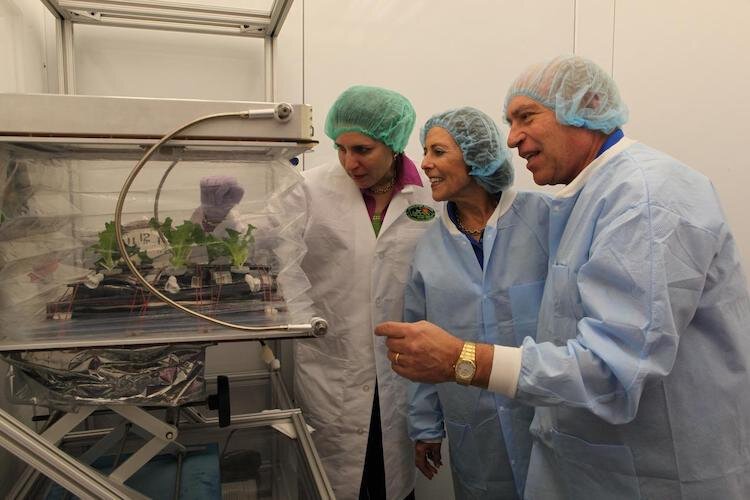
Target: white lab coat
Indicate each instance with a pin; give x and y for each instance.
(357, 282)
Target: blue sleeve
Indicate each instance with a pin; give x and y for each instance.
(425, 416)
(638, 289)
(414, 294)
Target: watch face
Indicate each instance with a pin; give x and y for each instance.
(464, 369)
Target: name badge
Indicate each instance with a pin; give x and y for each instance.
(420, 213)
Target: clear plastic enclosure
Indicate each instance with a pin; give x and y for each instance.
(62, 273)
(204, 222)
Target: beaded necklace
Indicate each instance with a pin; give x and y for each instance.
(384, 188)
(466, 230)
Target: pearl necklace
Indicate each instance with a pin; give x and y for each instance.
(384, 188)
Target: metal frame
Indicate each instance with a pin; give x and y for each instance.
(206, 336)
(165, 16)
(286, 412)
(42, 454)
(140, 120)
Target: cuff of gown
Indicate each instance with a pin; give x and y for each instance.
(506, 368)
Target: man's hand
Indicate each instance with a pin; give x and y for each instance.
(421, 351)
(427, 458)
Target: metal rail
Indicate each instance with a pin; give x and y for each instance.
(173, 16)
(56, 464)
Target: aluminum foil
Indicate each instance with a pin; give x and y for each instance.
(156, 375)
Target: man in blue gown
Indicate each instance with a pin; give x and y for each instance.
(640, 371)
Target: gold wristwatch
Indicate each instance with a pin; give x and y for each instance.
(466, 365)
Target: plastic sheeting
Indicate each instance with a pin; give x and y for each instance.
(63, 379)
(61, 275)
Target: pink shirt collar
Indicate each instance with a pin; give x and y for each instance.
(406, 175)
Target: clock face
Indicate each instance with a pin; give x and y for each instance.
(464, 369)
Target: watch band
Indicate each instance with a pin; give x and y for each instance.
(469, 352)
(466, 365)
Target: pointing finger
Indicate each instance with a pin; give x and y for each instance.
(391, 329)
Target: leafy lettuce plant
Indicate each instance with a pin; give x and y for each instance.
(181, 239)
(109, 253)
(237, 245)
(214, 246)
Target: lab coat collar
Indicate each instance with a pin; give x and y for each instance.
(345, 195)
(578, 183)
(398, 204)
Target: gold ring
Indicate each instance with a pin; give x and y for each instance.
(395, 358)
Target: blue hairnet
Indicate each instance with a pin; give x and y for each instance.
(483, 149)
(382, 114)
(579, 92)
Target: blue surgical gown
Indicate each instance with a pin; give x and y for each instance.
(496, 303)
(639, 370)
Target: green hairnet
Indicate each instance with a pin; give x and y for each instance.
(484, 151)
(579, 92)
(382, 114)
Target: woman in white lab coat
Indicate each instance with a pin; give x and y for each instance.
(364, 217)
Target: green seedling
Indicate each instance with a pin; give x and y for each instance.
(181, 239)
(237, 245)
(109, 253)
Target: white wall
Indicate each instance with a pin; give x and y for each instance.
(146, 63)
(683, 70)
(439, 53)
(22, 46)
(680, 67)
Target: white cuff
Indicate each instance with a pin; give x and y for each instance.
(506, 368)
